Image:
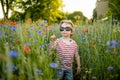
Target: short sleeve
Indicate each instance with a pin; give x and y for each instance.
(76, 48)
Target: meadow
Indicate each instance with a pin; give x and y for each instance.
(25, 55)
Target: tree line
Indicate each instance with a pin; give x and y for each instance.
(50, 10)
(112, 12)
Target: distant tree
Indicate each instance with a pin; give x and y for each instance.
(77, 17)
(94, 14)
(6, 5)
(36, 9)
(114, 8)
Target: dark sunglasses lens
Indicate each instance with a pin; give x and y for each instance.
(61, 28)
(68, 28)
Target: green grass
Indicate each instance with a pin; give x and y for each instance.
(98, 60)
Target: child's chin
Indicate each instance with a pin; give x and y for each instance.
(65, 35)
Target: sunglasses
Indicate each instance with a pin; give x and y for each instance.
(65, 28)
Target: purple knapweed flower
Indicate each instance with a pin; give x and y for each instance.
(10, 66)
(13, 28)
(108, 50)
(78, 34)
(38, 71)
(14, 68)
(110, 68)
(40, 32)
(115, 20)
(83, 38)
(113, 43)
(42, 46)
(27, 44)
(0, 36)
(41, 25)
(60, 72)
(53, 65)
(3, 26)
(48, 44)
(13, 54)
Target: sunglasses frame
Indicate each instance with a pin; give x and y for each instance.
(65, 28)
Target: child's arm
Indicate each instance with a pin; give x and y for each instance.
(52, 41)
(77, 59)
(78, 63)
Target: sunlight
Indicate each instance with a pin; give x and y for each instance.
(85, 6)
(1, 14)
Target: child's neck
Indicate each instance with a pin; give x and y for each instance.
(66, 38)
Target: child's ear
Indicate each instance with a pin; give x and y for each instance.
(71, 32)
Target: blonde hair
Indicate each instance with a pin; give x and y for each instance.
(68, 22)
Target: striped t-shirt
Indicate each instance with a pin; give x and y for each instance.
(66, 52)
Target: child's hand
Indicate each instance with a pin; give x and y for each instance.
(53, 38)
(78, 70)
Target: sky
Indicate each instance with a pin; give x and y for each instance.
(1, 14)
(85, 6)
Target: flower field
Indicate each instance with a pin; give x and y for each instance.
(25, 55)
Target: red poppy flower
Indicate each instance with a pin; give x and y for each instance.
(48, 27)
(14, 23)
(2, 22)
(44, 32)
(27, 49)
(85, 31)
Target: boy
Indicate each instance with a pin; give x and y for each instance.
(66, 50)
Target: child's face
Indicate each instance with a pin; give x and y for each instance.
(66, 29)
